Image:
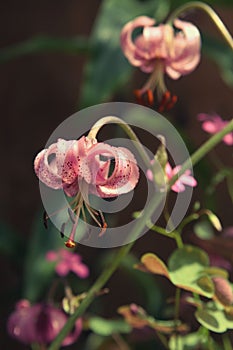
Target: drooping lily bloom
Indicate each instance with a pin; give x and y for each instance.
(213, 124)
(67, 261)
(159, 50)
(39, 323)
(179, 185)
(82, 167)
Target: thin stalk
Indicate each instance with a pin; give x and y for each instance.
(209, 11)
(187, 220)
(174, 234)
(202, 151)
(177, 309)
(177, 304)
(226, 342)
(230, 186)
(127, 129)
(163, 339)
(122, 252)
(45, 44)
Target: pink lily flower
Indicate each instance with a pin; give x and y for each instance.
(67, 261)
(159, 50)
(39, 323)
(184, 180)
(214, 123)
(82, 167)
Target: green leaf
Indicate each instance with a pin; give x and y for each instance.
(204, 230)
(213, 318)
(219, 52)
(154, 264)
(192, 341)
(39, 272)
(186, 270)
(216, 272)
(108, 69)
(45, 44)
(106, 327)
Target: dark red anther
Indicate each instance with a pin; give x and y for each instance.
(45, 219)
(103, 229)
(146, 98)
(150, 97)
(62, 230)
(165, 99)
(138, 95)
(171, 103)
(70, 243)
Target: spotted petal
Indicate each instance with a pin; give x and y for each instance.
(124, 176)
(48, 163)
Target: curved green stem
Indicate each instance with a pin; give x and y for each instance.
(226, 342)
(177, 304)
(202, 151)
(210, 12)
(139, 226)
(127, 129)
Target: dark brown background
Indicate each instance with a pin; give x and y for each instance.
(37, 92)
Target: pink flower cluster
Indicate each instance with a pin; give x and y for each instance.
(67, 261)
(161, 49)
(184, 180)
(39, 323)
(65, 164)
(213, 124)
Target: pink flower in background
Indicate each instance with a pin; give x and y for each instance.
(159, 50)
(214, 123)
(179, 185)
(39, 323)
(67, 261)
(184, 180)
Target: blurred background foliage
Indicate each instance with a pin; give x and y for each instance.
(58, 57)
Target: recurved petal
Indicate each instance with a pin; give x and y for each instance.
(124, 177)
(185, 55)
(46, 170)
(62, 148)
(128, 46)
(188, 180)
(228, 139)
(48, 163)
(178, 187)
